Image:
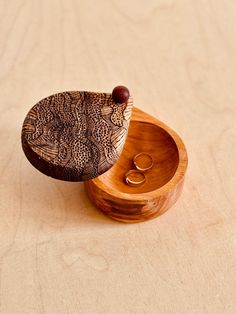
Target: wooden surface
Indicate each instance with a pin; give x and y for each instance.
(163, 183)
(58, 254)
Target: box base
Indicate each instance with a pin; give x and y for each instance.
(110, 193)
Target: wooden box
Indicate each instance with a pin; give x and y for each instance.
(164, 182)
(86, 136)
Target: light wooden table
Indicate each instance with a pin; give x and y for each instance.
(58, 254)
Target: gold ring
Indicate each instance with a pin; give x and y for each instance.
(143, 162)
(134, 178)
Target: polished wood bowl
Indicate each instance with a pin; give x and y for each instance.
(164, 181)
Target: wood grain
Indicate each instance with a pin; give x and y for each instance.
(164, 182)
(58, 254)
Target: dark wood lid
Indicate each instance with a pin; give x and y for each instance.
(75, 136)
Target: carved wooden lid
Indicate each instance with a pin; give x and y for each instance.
(76, 136)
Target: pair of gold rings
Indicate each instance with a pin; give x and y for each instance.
(142, 162)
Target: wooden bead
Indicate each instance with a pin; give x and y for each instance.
(120, 94)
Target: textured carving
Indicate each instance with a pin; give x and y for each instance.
(75, 136)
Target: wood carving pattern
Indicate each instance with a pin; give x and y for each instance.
(75, 136)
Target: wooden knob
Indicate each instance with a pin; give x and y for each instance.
(120, 94)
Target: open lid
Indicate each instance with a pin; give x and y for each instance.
(76, 136)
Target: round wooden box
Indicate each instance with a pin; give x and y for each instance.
(92, 137)
(164, 182)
